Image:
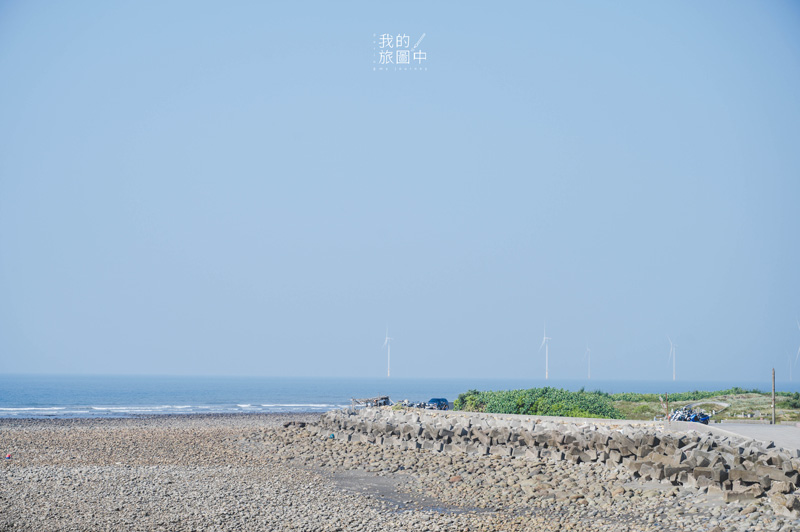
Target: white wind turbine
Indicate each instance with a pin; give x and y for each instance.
(798, 349)
(795, 357)
(672, 356)
(588, 356)
(387, 345)
(545, 344)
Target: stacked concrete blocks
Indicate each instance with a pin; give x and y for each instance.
(737, 468)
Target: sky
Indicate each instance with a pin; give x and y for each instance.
(216, 188)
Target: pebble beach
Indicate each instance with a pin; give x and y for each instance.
(269, 472)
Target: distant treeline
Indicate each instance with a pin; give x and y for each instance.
(558, 402)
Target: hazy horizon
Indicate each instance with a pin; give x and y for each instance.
(198, 188)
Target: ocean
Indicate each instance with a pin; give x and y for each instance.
(70, 396)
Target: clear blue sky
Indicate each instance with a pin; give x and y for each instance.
(230, 188)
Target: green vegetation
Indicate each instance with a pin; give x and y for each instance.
(539, 401)
(557, 402)
(792, 401)
(683, 396)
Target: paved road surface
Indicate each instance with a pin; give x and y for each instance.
(787, 436)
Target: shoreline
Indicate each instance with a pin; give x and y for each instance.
(249, 472)
(188, 415)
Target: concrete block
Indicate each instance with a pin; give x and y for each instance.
(750, 494)
(773, 473)
(779, 486)
(652, 471)
(643, 451)
(517, 452)
(445, 434)
(633, 465)
(703, 482)
(670, 471)
(698, 472)
(666, 460)
(651, 440)
(701, 459)
(744, 475)
(481, 436)
(501, 450)
(452, 448)
(552, 454)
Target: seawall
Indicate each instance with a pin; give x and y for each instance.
(687, 454)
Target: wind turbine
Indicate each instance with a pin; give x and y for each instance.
(795, 357)
(798, 349)
(589, 357)
(387, 345)
(672, 355)
(545, 344)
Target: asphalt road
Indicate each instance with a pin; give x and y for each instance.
(786, 436)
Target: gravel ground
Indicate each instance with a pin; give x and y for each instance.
(248, 472)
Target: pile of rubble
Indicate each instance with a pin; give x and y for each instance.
(737, 468)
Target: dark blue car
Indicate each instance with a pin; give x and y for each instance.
(438, 403)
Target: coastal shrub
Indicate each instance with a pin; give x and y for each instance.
(682, 396)
(557, 402)
(792, 401)
(469, 401)
(539, 401)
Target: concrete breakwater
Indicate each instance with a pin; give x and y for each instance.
(736, 468)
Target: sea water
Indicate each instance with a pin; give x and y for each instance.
(66, 396)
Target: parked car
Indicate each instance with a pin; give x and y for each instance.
(438, 403)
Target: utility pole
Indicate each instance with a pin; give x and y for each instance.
(773, 396)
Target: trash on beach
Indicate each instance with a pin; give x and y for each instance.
(8, 456)
(331, 436)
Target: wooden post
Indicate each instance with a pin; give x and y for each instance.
(773, 396)
(668, 406)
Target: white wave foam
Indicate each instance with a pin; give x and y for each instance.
(33, 409)
(315, 405)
